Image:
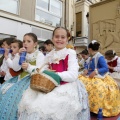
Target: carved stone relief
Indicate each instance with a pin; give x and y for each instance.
(107, 31)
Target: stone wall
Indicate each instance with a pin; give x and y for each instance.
(105, 25)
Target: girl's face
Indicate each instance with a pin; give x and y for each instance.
(84, 56)
(90, 51)
(15, 48)
(79, 56)
(60, 39)
(108, 58)
(29, 44)
(48, 47)
(5, 45)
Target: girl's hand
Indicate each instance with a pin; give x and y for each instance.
(85, 72)
(6, 53)
(2, 73)
(51, 70)
(22, 50)
(25, 65)
(92, 74)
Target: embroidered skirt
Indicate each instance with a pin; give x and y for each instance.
(10, 95)
(102, 93)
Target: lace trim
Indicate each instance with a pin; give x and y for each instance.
(32, 57)
(55, 57)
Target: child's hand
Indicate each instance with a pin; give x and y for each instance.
(92, 74)
(22, 50)
(25, 65)
(51, 70)
(85, 72)
(6, 53)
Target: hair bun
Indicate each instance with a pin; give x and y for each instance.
(93, 41)
(114, 53)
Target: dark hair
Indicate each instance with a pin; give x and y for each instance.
(1, 42)
(42, 48)
(110, 54)
(19, 42)
(94, 46)
(8, 40)
(34, 37)
(47, 42)
(84, 52)
(67, 31)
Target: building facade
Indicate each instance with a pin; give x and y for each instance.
(81, 28)
(18, 17)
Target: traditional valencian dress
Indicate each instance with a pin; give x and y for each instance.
(11, 91)
(102, 89)
(66, 102)
(115, 73)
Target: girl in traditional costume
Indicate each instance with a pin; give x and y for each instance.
(102, 89)
(11, 91)
(85, 58)
(11, 60)
(6, 42)
(113, 62)
(68, 101)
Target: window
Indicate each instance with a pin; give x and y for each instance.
(49, 12)
(79, 24)
(55, 7)
(9, 6)
(43, 4)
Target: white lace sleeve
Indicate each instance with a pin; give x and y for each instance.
(117, 68)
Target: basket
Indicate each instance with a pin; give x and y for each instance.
(41, 83)
(45, 81)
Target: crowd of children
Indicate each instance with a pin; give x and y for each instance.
(78, 93)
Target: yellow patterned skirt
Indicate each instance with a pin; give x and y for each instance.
(103, 93)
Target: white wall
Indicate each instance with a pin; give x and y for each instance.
(14, 28)
(23, 29)
(8, 26)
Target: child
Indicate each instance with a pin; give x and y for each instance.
(85, 58)
(11, 59)
(1, 61)
(42, 49)
(48, 44)
(11, 91)
(67, 101)
(6, 42)
(113, 62)
(1, 56)
(102, 89)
